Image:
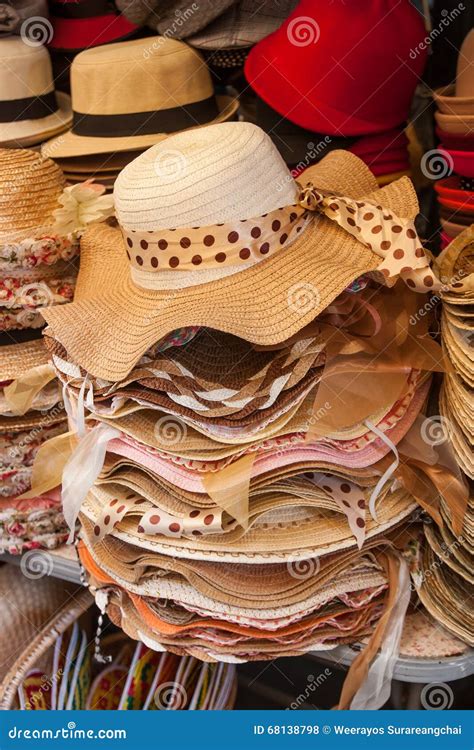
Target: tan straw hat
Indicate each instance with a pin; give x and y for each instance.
(30, 109)
(248, 259)
(130, 95)
(30, 187)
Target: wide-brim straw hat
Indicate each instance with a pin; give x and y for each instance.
(224, 173)
(30, 109)
(16, 359)
(131, 95)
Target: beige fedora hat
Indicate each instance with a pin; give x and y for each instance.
(216, 234)
(30, 109)
(130, 95)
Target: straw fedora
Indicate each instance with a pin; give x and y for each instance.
(79, 24)
(228, 174)
(457, 100)
(130, 95)
(30, 109)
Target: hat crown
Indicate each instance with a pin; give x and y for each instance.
(30, 186)
(465, 68)
(32, 66)
(143, 75)
(217, 174)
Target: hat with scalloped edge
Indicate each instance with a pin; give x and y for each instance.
(363, 92)
(256, 255)
(30, 109)
(131, 95)
(15, 15)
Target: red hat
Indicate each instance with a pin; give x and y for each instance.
(342, 68)
(79, 24)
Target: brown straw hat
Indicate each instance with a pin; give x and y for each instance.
(229, 173)
(130, 95)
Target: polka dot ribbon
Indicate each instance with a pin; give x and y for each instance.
(379, 229)
(155, 520)
(248, 241)
(348, 497)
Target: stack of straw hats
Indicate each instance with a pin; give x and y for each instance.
(39, 246)
(455, 125)
(310, 105)
(456, 269)
(50, 663)
(245, 468)
(128, 96)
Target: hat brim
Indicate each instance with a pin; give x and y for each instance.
(23, 133)
(455, 124)
(73, 34)
(255, 304)
(450, 104)
(70, 144)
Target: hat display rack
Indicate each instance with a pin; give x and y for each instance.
(236, 410)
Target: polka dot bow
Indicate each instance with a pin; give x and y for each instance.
(379, 229)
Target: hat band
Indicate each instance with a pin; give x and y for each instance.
(29, 108)
(202, 254)
(80, 9)
(146, 123)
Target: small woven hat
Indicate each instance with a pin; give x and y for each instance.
(30, 109)
(457, 100)
(215, 237)
(79, 24)
(14, 17)
(130, 95)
